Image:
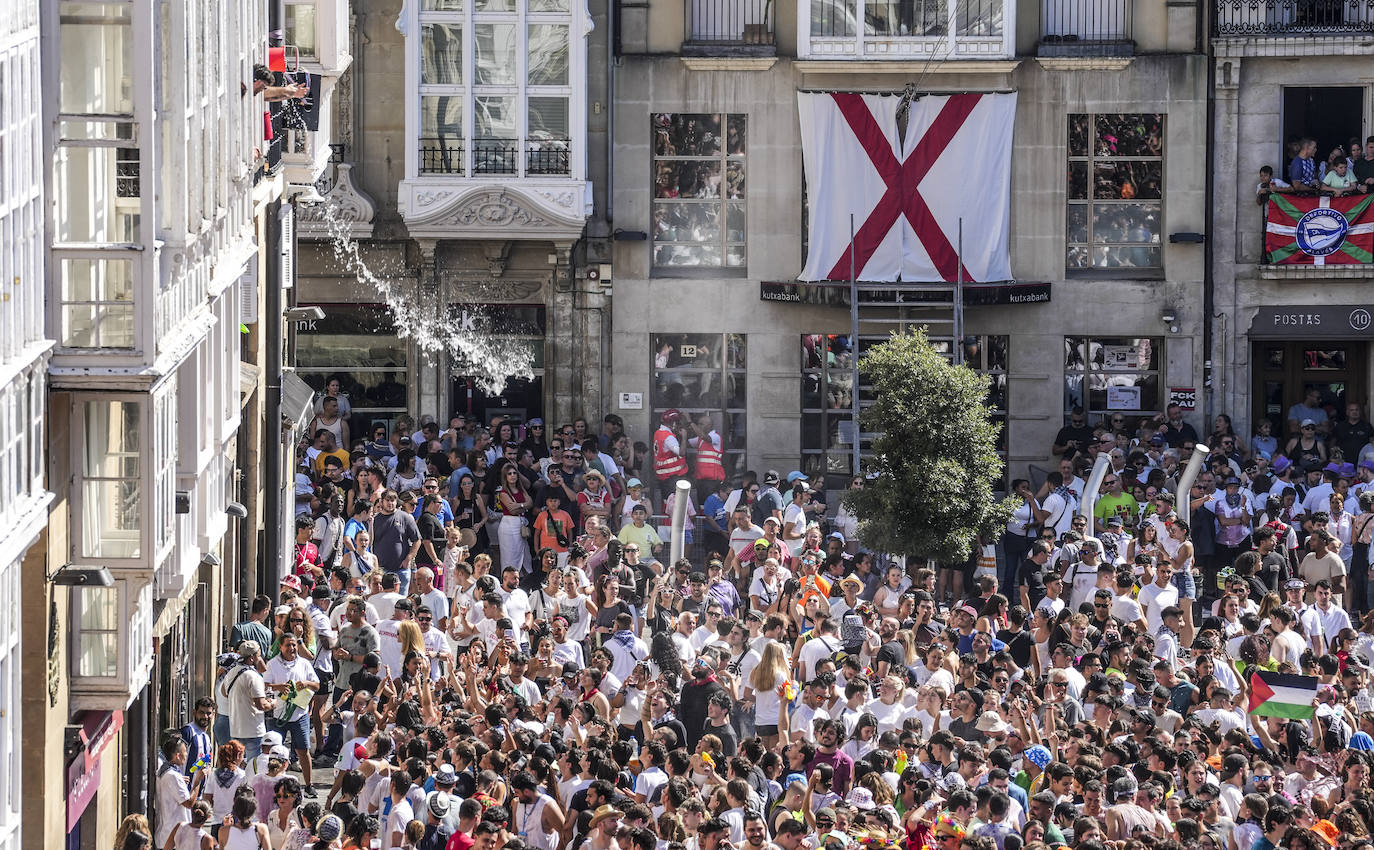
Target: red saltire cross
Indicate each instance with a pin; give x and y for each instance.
(903, 180)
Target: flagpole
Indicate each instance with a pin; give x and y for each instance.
(854, 344)
(959, 300)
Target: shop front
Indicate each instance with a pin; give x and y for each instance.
(1295, 349)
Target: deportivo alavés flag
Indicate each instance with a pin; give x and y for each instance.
(1311, 230)
(908, 194)
(1282, 695)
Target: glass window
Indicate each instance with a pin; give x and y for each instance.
(827, 372)
(479, 120)
(441, 54)
(1112, 374)
(908, 18)
(97, 191)
(300, 27)
(97, 303)
(703, 375)
(98, 621)
(699, 190)
(97, 58)
(1115, 191)
(358, 345)
(111, 486)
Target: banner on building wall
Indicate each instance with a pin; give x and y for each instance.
(1319, 231)
(907, 194)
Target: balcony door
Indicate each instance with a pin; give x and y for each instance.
(1329, 114)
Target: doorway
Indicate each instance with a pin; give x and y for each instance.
(1284, 371)
(522, 399)
(1330, 114)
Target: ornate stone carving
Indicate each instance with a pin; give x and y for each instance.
(428, 198)
(483, 290)
(349, 205)
(496, 209)
(564, 199)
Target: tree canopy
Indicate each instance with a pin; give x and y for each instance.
(935, 463)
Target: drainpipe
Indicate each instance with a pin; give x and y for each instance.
(271, 327)
(1091, 489)
(1208, 279)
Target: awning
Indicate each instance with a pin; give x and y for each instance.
(297, 401)
(248, 382)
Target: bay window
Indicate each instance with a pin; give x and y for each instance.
(111, 629)
(495, 87)
(97, 178)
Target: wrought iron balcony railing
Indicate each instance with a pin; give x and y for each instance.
(1239, 18)
(730, 24)
(1085, 28)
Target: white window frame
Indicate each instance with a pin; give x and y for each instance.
(133, 660)
(856, 43)
(79, 479)
(415, 17)
(11, 752)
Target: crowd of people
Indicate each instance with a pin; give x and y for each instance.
(1084, 683)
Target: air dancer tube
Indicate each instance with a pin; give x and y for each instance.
(681, 496)
(1090, 491)
(1185, 481)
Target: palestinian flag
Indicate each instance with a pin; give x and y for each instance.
(1318, 231)
(1282, 695)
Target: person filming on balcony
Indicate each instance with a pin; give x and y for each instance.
(264, 84)
(1302, 171)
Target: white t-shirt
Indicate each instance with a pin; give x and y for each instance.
(1153, 599)
(279, 671)
(795, 514)
(385, 604)
(820, 646)
(173, 790)
(438, 604)
(889, 716)
(1126, 609)
(402, 814)
(648, 781)
(389, 645)
(244, 685)
(767, 703)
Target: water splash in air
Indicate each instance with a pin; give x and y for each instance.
(473, 338)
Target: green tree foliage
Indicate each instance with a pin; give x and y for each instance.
(935, 458)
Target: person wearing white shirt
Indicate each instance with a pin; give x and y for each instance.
(823, 644)
(652, 756)
(389, 638)
(431, 597)
(385, 602)
(176, 792)
(1331, 618)
(1158, 595)
(288, 673)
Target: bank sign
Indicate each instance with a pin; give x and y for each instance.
(1319, 231)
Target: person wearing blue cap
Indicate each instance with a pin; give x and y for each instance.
(1033, 763)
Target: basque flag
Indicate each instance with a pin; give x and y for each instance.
(1319, 231)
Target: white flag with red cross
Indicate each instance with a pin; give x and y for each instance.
(907, 195)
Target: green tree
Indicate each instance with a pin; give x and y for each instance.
(935, 455)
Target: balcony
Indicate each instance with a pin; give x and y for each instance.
(1293, 18)
(496, 157)
(729, 28)
(910, 30)
(1085, 28)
